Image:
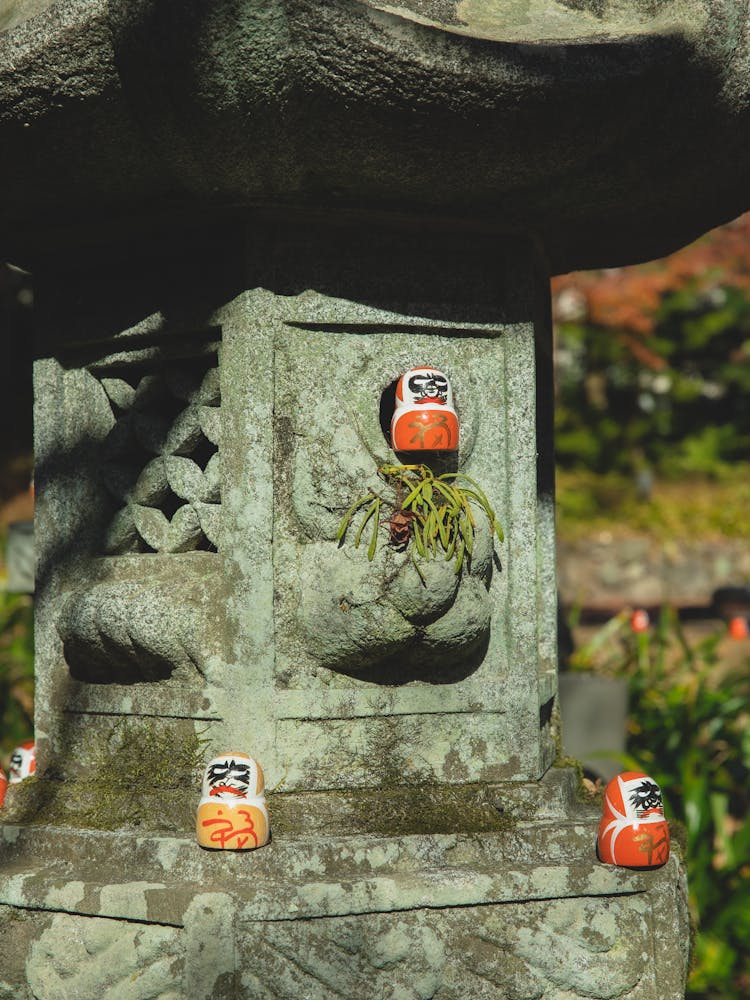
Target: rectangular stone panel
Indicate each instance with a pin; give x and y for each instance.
(319, 631)
(341, 620)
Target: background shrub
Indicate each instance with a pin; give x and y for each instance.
(690, 730)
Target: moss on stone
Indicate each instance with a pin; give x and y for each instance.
(138, 774)
(394, 811)
(583, 792)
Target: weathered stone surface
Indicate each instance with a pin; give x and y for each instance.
(526, 951)
(500, 117)
(209, 405)
(88, 959)
(525, 911)
(15, 12)
(341, 672)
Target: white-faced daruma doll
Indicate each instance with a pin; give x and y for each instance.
(232, 813)
(633, 831)
(424, 418)
(22, 763)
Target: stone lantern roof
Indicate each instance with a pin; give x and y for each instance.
(610, 131)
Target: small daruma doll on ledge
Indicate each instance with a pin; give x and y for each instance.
(232, 813)
(633, 832)
(22, 763)
(424, 418)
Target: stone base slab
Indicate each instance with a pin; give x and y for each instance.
(526, 912)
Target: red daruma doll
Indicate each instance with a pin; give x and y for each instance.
(633, 831)
(232, 813)
(3, 786)
(22, 763)
(424, 418)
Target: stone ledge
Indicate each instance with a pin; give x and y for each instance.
(153, 879)
(443, 916)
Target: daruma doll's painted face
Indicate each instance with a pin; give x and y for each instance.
(22, 763)
(641, 795)
(422, 386)
(232, 775)
(424, 418)
(633, 831)
(232, 813)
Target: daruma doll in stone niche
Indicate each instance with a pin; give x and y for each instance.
(424, 418)
(22, 762)
(232, 813)
(3, 786)
(633, 831)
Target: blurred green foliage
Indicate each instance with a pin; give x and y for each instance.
(696, 507)
(690, 731)
(16, 672)
(672, 396)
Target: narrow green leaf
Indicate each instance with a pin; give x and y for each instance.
(443, 529)
(429, 531)
(460, 548)
(449, 493)
(419, 571)
(468, 533)
(368, 514)
(346, 521)
(413, 496)
(449, 552)
(374, 539)
(418, 539)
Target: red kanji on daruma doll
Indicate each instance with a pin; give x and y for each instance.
(424, 418)
(633, 832)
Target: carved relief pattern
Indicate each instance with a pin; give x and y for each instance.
(162, 458)
(92, 957)
(375, 618)
(571, 948)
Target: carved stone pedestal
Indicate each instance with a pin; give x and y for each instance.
(518, 912)
(200, 435)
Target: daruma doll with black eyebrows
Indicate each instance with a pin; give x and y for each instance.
(424, 418)
(232, 813)
(633, 832)
(22, 762)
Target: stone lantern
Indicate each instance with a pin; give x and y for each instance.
(245, 221)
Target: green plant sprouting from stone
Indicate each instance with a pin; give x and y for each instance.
(431, 513)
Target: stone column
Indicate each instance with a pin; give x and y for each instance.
(193, 472)
(200, 433)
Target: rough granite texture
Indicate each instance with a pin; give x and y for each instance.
(340, 672)
(419, 850)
